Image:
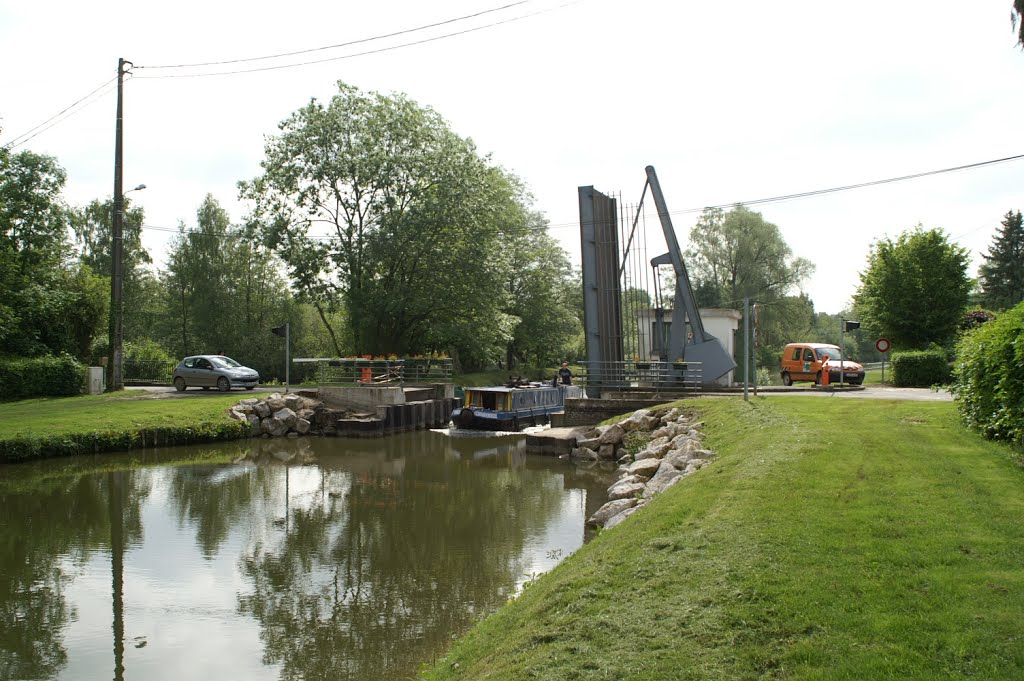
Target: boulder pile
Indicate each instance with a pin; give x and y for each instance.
(673, 451)
(279, 415)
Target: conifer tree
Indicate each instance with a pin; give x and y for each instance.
(1002, 273)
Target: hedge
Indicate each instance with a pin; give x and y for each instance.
(21, 448)
(51, 376)
(988, 377)
(919, 369)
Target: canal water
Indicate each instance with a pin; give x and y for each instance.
(316, 558)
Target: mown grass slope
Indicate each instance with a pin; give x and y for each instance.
(830, 539)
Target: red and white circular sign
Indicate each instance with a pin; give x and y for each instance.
(883, 345)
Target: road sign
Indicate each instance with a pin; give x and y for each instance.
(883, 345)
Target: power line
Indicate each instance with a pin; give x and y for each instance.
(345, 44)
(365, 53)
(27, 135)
(831, 190)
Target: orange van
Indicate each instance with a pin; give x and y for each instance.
(804, 361)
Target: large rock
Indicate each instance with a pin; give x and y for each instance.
(249, 401)
(619, 517)
(645, 468)
(629, 490)
(609, 510)
(261, 409)
(275, 402)
(293, 402)
(285, 416)
(273, 427)
(606, 452)
(613, 435)
(590, 443)
(301, 426)
(678, 458)
(665, 476)
(584, 454)
(655, 449)
(254, 424)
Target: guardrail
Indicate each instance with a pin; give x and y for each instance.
(358, 371)
(657, 377)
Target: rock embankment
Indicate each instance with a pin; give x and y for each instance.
(279, 415)
(672, 451)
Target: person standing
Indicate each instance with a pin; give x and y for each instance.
(565, 374)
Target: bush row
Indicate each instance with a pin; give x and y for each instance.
(988, 377)
(919, 369)
(22, 448)
(59, 376)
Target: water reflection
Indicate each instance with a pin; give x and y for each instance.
(362, 562)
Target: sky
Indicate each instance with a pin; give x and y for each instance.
(731, 102)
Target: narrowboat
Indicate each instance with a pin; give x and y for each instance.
(512, 407)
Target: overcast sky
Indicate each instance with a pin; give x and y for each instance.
(729, 101)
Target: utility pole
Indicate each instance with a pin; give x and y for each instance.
(115, 357)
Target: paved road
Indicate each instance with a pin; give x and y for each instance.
(166, 391)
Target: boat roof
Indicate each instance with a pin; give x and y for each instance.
(506, 389)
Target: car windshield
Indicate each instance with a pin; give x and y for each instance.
(832, 352)
(224, 362)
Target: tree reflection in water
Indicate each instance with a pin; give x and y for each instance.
(402, 552)
(62, 519)
(361, 565)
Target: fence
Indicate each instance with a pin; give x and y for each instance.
(356, 371)
(147, 372)
(657, 377)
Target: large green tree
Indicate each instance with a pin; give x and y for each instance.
(378, 208)
(223, 292)
(92, 227)
(540, 287)
(1002, 273)
(738, 254)
(914, 289)
(48, 302)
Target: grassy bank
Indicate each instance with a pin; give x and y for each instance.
(887, 545)
(100, 423)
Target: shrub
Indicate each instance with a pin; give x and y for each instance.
(51, 376)
(25, 447)
(919, 369)
(988, 377)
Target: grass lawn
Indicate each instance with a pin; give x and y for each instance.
(830, 539)
(127, 410)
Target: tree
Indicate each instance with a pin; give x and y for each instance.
(48, 304)
(378, 208)
(1002, 273)
(914, 289)
(222, 292)
(539, 285)
(1017, 14)
(738, 254)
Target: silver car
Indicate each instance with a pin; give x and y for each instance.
(213, 371)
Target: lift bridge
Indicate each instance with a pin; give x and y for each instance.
(643, 329)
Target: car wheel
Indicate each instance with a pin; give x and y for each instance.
(179, 384)
(223, 385)
(817, 379)
(250, 387)
(786, 378)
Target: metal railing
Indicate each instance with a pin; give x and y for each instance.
(358, 371)
(147, 372)
(656, 377)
